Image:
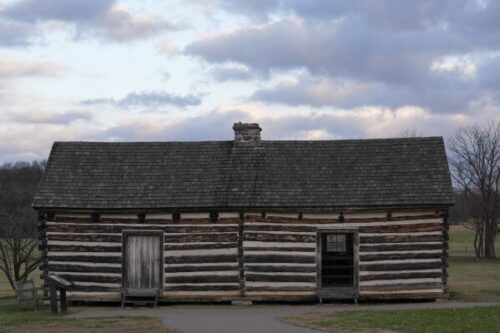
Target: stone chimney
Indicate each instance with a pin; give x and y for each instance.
(246, 134)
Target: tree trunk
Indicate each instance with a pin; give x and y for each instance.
(478, 243)
(489, 239)
(479, 240)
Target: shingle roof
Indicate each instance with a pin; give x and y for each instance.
(308, 174)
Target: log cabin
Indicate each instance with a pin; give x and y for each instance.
(247, 219)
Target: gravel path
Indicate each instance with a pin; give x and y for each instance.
(249, 319)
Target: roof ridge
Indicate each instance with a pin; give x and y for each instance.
(420, 138)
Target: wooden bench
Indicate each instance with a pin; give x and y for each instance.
(26, 292)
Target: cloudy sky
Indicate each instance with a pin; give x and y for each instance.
(121, 70)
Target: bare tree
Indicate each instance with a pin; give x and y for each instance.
(410, 132)
(461, 212)
(475, 162)
(18, 247)
(18, 223)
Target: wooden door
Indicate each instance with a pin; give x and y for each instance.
(143, 261)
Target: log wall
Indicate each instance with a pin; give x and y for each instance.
(258, 258)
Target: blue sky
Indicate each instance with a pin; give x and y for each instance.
(111, 70)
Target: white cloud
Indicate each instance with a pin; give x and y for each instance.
(32, 141)
(104, 18)
(232, 72)
(315, 91)
(119, 24)
(56, 118)
(167, 47)
(32, 11)
(316, 134)
(12, 66)
(16, 33)
(454, 65)
(146, 99)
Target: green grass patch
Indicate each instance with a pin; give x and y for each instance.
(5, 289)
(485, 320)
(472, 280)
(14, 319)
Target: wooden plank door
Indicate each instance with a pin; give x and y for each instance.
(143, 261)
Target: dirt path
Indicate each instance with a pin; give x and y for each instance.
(250, 319)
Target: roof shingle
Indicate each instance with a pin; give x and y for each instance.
(276, 174)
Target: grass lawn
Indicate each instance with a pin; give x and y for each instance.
(469, 279)
(472, 280)
(26, 320)
(483, 320)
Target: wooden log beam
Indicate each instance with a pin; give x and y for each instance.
(267, 237)
(396, 256)
(400, 228)
(279, 227)
(401, 287)
(347, 219)
(399, 247)
(194, 238)
(400, 238)
(280, 249)
(279, 278)
(214, 227)
(200, 287)
(202, 279)
(94, 259)
(225, 258)
(91, 288)
(406, 228)
(418, 295)
(148, 220)
(274, 258)
(85, 248)
(399, 275)
(200, 246)
(399, 266)
(82, 268)
(280, 268)
(82, 237)
(282, 289)
(199, 268)
(91, 278)
(111, 228)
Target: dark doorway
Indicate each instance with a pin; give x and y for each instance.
(338, 264)
(337, 260)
